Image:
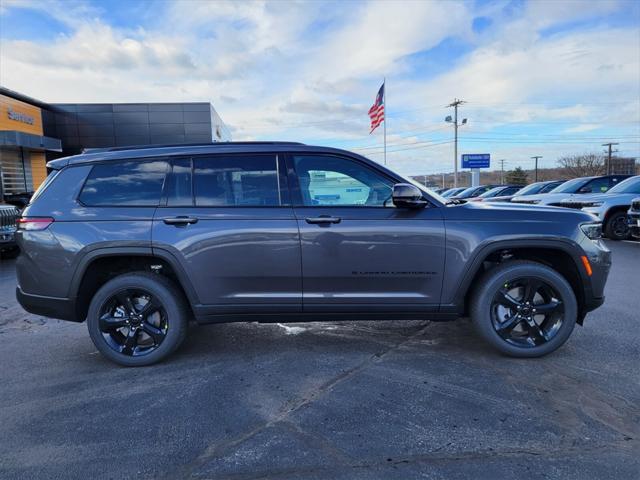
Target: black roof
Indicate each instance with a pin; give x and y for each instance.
(169, 145)
(146, 151)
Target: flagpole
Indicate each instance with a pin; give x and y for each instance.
(384, 101)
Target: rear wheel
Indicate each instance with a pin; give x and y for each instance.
(524, 309)
(137, 319)
(617, 226)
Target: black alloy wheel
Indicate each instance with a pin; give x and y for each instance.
(527, 312)
(523, 308)
(618, 226)
(138, 318)
(133, 322)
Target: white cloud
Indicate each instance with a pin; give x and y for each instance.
(309, 70)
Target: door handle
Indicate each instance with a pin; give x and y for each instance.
(323, 219)
(180, 221)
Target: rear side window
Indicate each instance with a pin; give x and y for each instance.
(124, 184)
(236, 180)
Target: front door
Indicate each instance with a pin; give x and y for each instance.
(359, 252)
(228, 220)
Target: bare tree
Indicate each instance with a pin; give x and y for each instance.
(583, 165)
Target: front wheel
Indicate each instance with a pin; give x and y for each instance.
(137, 319)
(524, 309)
(617, 226)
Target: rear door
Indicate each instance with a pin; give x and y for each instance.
(228, 220)
(359, 252)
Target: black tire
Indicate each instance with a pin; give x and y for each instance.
(553, 329)
(617, 226)
(171, 317)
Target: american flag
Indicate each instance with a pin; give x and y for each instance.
(376, 112)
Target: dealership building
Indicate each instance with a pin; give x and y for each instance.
(33, 132)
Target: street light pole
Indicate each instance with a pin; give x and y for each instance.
(455, 105)
(610, 144)
(536, 159)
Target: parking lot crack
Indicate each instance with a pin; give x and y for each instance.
(219, 449)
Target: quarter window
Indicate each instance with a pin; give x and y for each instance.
(329, 180)
(124, 184)
(236, 180)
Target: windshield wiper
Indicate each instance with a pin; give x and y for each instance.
(455, 201)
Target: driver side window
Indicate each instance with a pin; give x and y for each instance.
(326, 180)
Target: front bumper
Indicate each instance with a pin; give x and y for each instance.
(634, 223)
(7, 238)
(593, 286)
(597, 211)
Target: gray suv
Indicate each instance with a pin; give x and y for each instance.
(611, 207)
(139, 241)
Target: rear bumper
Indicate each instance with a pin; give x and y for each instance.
(53, 307)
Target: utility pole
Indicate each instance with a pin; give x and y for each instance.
(610, 144)
(455, 105)
(536, 158)
(443, 180)
(502, 160)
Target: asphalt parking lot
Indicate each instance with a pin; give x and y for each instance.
(409, 399)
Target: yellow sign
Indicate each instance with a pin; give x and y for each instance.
(19, 116)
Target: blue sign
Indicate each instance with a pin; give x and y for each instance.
(476, 160)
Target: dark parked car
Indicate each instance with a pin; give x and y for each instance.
(452, 191)
(139, 241)
(531, 189)
(633, 216)
(472, 192)
(18, 200)
(8, 218)
(495, 192)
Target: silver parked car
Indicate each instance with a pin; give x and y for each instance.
(611, 207)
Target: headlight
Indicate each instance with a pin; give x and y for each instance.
(593, 204)
(592, 230)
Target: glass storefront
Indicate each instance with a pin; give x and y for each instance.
(15, 171)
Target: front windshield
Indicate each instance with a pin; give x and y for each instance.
(494, 192)
(466, 192)
(630, 185)
(531, 189)
(451, 191)
(571, 186)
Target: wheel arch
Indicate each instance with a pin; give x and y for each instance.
(561, 255)
(100, 265)
(612, 211)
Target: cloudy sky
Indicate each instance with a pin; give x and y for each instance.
(539, 77)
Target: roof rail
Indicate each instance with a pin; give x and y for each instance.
(169, 145)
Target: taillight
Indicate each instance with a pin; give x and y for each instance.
(34, 223)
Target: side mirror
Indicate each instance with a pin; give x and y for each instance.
(406, 195)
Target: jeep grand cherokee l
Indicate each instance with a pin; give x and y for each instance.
(139, 241)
